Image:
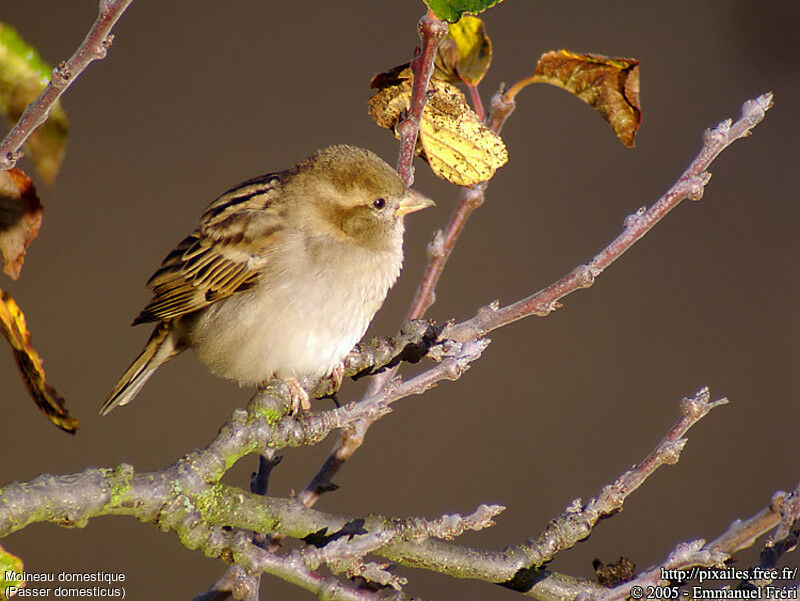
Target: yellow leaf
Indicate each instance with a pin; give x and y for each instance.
(610, 85)
(13, 327)
(465, 54)
(454, 141)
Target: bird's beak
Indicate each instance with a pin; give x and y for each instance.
(413, 201)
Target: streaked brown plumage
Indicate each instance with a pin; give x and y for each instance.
(282, 275)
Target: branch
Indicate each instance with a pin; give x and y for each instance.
(576, 523)
(783, 540)
(470, 198)
(683, 557)
(94, 47)
(415, 341)
(519, 567)
(680, 566)
(431, 31)
(347, 554)
(690, 185)
(236, 581)
(188, 499)
(290, 567)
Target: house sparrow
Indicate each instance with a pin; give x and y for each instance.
(282, 276)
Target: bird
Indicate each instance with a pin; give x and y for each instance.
(282, 276)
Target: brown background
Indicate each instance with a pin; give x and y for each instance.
(196, 97)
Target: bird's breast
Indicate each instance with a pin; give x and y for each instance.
(311, 305)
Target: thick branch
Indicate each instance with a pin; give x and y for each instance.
(94, 47)
(188, 499)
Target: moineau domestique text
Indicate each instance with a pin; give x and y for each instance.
(99, 576)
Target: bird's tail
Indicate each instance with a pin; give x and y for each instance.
(160, 348)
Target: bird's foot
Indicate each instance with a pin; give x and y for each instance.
(299, 396)
(337, 375)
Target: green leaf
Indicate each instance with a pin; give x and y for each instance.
(23, 76)
(9, 563)
(451, 10)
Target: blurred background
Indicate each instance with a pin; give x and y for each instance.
(195, 97)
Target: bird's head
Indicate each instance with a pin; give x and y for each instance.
(352, 193)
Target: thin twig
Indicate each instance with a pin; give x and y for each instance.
(347, 555)
(443, 243)
(681, 565)
(431, 31)
(94, 47)
(783, 540)
(576, 523)
(690, 185)
(452, 367)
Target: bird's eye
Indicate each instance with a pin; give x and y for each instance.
(379, 203)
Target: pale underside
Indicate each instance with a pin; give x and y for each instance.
(302, 320)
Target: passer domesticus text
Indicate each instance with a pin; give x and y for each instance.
(282, 276)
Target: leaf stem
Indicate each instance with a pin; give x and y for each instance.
(475, 96)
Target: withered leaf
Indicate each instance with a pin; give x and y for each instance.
(451, 10)
(611, 85)
(613, 574)
(13, 327)
(20, 218)
(23, 76)
(465, 54)
(452, 139)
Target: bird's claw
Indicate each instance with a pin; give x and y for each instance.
(337, 375)
(299, 397)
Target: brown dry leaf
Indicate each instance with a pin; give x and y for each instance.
(465, 54)
(13, 327)
(454, 141)
(20, 218)
(613, 574)
(392, 96)
(611, 85)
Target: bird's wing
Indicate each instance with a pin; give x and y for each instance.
(223, 256)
